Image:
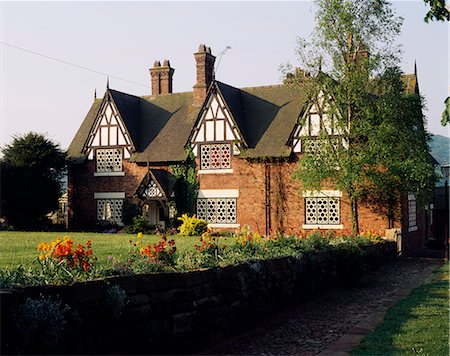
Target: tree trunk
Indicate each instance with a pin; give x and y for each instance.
(354, 215)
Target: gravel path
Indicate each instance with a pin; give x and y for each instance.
(328, 323)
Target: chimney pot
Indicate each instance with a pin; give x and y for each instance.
(205, 70)
(161, 78)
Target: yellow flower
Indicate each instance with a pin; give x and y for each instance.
(41, 257)
(137, 243)
(139, 235)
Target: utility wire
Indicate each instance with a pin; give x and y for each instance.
(71, 64)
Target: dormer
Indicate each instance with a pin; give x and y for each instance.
(216, 136)
(319, 118)
(109, 141)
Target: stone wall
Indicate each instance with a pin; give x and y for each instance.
(178, 312)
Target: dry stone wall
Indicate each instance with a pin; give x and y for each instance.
(175, 312)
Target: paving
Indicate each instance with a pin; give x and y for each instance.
(334, 323)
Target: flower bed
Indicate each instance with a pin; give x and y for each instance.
(59, 262)
(181, 312)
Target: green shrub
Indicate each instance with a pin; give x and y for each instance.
(139, 224)
(192, 226)
(41, 323)
(130, 210)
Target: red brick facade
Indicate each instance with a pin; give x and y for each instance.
(286, 204)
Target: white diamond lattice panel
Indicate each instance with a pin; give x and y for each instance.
(110, 210)
(217, 210)
(109, 160)
(322, 211)
(152, 190)
(215, 156)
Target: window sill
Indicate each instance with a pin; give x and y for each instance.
(230, 226)
(215, 171)
(109, 174)
(323, 227)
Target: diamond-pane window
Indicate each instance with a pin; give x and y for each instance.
(109, 160)
(152, 190)
(317, 146)
(412, 211)
(217, 210)
(110, 210)
(215, 156)
(322, 210)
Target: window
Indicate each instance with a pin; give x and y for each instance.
(109, 160)
(152, 191)
(215, 156)
(323, 209)
(217, 210)
(412, 212)
(110, 210)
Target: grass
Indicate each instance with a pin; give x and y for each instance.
(418, 324)
(20, 248)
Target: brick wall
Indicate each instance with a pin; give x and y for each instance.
(179, 312)
(286, 201)
(83, 184)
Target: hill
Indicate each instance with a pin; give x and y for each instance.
(440, 148)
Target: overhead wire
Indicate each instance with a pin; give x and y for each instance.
(71, 64)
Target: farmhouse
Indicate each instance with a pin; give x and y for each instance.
(246, 143)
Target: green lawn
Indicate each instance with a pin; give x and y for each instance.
(21, 247)
(419, 324)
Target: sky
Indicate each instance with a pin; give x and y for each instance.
(123, 40)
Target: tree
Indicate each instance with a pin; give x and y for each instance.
(31, 170)
(438, 11)
(354, 42)
(446, 114)
(398, 153)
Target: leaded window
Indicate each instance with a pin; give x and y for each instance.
(152, 190)
(110, 210)
(215, 156)
(109, 160)
(412, 212)
(217, 210)
(318, 146)
(322, 211)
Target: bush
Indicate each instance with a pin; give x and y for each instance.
(192, 226)
(139, 224)
(130, 210)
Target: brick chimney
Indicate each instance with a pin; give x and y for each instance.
(161, 76)
(205, 70)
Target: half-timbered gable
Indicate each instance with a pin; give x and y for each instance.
(157, 184)
(216, 136)
(318, 118)
(109, 141)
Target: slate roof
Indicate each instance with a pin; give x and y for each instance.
(266, 116)
(75, 150)
(160, 126)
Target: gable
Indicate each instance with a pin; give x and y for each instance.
(157, 184)
(152, 190)
(216, 123)
(317, 118)
(109, 131)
